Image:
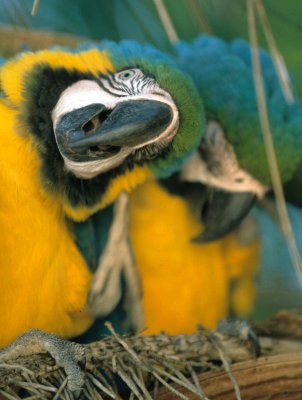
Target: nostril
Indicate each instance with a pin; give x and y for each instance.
(91, 126)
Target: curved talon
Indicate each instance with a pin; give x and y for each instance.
(67, 354)
(241, 329)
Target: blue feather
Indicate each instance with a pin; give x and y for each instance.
(223, 75)
(277, 275)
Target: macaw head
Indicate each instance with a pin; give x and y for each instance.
(223, 75)
(103, 118)
(231, 157)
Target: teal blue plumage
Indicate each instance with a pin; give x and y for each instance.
(222, 73)
(277, 284)
(91, 235)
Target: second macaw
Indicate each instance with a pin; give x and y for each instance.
(188, 278)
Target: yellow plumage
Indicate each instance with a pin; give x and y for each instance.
(184, 283)
(45, 280)
(41, 267)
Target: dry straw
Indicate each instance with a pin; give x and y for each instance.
(35, 7)
(142, 363)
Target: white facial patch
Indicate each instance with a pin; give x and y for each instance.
(220, 167)
(109, 91)
(78, 95)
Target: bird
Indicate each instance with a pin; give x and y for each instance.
(223, 75)
(81, 128)
(225, 82)
(214, 273)
(165, 307)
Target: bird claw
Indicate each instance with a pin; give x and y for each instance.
(67, 355)
(242, 330)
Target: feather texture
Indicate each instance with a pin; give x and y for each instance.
(223, 74)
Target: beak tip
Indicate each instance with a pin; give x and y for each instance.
(224, 214)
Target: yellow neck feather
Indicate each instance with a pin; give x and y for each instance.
(44, 278)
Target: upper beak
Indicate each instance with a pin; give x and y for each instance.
(130, 123)
(222, 212)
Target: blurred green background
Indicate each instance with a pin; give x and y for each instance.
(138, 19)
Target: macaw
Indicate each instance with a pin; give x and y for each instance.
(81, 128)
(218, 278)
(225, 271)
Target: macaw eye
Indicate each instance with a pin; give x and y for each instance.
(125, 75)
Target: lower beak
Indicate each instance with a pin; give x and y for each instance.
(222, 212)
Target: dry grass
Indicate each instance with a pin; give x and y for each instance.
(143, 364)
(35, 7)
(147, 363)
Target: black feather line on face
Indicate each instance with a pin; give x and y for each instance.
(43, 88)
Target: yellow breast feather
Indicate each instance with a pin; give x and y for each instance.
(44, 278)
(186, 283)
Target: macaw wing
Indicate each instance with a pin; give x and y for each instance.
(91, 236)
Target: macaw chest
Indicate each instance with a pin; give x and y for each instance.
(44, 279)
(186, 283)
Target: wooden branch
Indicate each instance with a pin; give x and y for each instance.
(275, 377)
(282, 325)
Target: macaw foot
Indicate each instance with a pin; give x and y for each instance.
(66, 354)
(117, 261)
(240, 329)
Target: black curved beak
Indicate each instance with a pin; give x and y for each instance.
(222, 212)
(96, 132)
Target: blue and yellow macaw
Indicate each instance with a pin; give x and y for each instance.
(211, 280)
(79, 128)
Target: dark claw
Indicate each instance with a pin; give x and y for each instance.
(242, 330)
